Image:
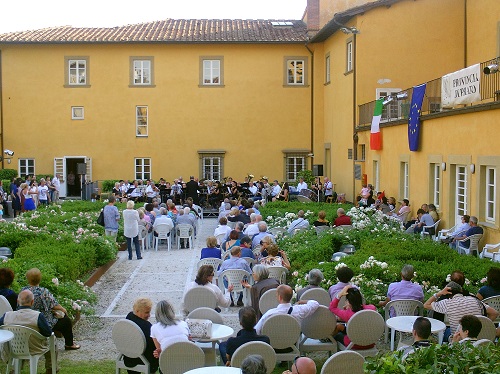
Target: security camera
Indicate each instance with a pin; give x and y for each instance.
(8, 152)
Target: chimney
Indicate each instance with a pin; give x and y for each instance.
(312, 16)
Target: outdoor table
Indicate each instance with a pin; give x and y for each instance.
(219, 333)
(405, 324)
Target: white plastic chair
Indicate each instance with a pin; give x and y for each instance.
(180, 357)
(131, 342)
(199, 296)
(363, 329)
(319, 294)
(405, 307)
(317, 330)
(268, 300)
(255, 348)
(283, 331)
(234, 277)
(473, 245)
(278, 272)
(19, 348)
(489, 251)
(185, 231)
(164, 233)
(344, 362)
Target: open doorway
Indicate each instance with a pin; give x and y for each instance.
(73, 179)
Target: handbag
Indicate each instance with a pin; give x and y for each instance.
(200, 328)
(100, 219)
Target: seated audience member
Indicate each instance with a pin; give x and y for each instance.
(405, 289)
(223, 228)
(26, 316)
(344, 275)
(248, 320)
(253, 364)
(262, 283)
(457, 306)
(423, 219)
(342, 219)
(354, 303)
(235, 262)
(256, 240)
(167, 329)
(300, 310)
(384, 206)
(302, 365)
(205, 278)
(421, 332)
(321, 221)
(459, 230)
(6, 279)
(493, 286)
(299, 223)
(211, 250)
(474, 229)
(246, 250)
(314, 278)
(231, 242)
(275, 257)
(433, 212)
(140, 314)
(468, 330)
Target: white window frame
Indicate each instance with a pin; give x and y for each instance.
(24, 167)
(142, 72)
(77, 112)
(294, 164)
(436, 184)
(141, 121)
(141, 166)
(349, 55)
(79, 72)
(212, 72)
(490, 194)
(461, 177)
(327, 69)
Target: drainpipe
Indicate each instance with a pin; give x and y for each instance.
(312, 104)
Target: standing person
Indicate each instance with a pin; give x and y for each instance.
(111, 217)
(43, 192)
(56, 183)
(140, 314)
(71, 183)
(131, 229)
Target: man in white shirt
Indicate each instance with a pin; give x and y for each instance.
(302, 185)
(57, 185)
(299, 311)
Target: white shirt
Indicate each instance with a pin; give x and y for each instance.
(170, 334)
(299, 312)
(302, 186)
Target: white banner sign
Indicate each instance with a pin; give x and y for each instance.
(461, 87)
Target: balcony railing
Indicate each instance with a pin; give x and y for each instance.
(399, 109)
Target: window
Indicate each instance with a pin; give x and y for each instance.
(26, 166)
(404, 180)
(141, 71)
(212, 164)
(436, 184)
(143, 168)
(212, 71)
(349, 55)
(327, 68)
(295, 71)
(76, 72)
(294, 163)
(77, 112)
(141, 120)
(490, 194)
(391, 111)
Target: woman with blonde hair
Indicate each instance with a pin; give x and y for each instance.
(131, 229)
(167, 329)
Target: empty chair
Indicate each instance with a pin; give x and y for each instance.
(344, 362)
(488, 329)
(129, 341)
(19, 348)
(473, 245)
(364, 329)
(177, 358)
(283, 331)
(494, 302)
(268, 300)
(184, 231)
(402, 308)
(255, 348)
(163, 233)
(319, 294)
(198, 297)
(234, 277)
(213, 261)
(278, 272)
(317, 332)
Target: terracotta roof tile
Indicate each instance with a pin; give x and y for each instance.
(170, 31)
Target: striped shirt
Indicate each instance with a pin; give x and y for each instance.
(457, 307)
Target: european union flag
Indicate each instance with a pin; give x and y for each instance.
(414, 118)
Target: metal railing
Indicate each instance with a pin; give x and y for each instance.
(399, 109)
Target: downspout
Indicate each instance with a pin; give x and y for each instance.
(1, 111)
(312, 105)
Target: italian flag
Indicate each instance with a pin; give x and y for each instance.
(375, 135)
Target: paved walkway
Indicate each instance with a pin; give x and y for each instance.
(161, 275)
